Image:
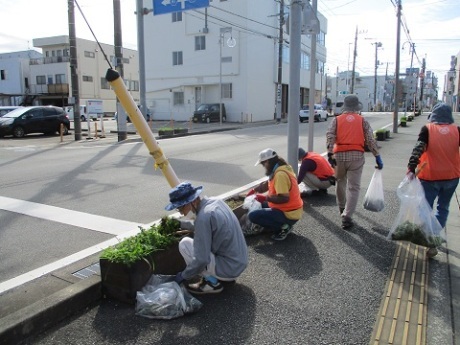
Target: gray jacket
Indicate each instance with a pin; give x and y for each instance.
(217, 231)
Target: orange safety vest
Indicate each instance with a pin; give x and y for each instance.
(350, 134)
(295, 201)
(442, 154)
(323, 168)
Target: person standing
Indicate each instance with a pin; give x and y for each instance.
(282, 207)
(346, 138)
(315, 171)
(218, 251)
(437, 150)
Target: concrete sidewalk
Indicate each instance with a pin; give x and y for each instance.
(322, 285)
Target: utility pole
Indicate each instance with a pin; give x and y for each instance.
(422, 80)
(121, 115)
(141, 51)
(397, 81)
(73, 69)
(377, 45)
(355, 53)
(279, 85)
(312, 90)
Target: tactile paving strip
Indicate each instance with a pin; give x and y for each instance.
(402, 316)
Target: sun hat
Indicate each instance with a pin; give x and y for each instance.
(302, 153)
(441, 113)
(351, 103)
(183, 194)
(265, 155)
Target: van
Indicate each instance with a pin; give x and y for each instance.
(338, 108)
(83, 113)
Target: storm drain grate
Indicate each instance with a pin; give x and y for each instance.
(88, 271)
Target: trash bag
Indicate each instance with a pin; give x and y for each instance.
(373, 200)
(163, 298)
(416, 221)
(250, 204)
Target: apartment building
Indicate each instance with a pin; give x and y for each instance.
(33, 78)
(228, 52)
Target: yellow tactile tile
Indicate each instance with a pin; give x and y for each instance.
(402, 316)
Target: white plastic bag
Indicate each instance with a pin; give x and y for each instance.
(163, 298)
(251, 204)
(373, 200)
(416, 221)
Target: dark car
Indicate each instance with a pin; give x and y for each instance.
(37, 119)
(209, 112)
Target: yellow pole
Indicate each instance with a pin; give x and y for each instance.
(126, 100)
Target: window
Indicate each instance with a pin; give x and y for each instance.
(176, 17)
(285, 54)
(66, 52)
(26, 82)
(305, 61)
(89, 54)
(60, 79)
(41, 80)
(2, 74)
(227, 91)
(87, 78)
(59, 52)
(105, 84)
(321, 38)
(177, 58)
(50, 79)
(178, 98)
(47, 54)
(53, 53)
(200, 42)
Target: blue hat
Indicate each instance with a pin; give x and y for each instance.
(302, 153)
(183, 194)
(441, 113)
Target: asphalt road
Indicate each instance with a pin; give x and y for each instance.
(89, 181)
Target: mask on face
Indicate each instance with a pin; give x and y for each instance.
(190, 216)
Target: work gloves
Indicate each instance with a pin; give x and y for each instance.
(331, 159)
(379, 162)
(178, 278)
(252, 191)
(261, 198)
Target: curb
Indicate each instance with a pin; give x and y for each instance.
(49, 311)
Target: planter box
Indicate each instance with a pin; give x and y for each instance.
(387, 133)
(164, 132)
(121, 282)
(381, 136)
(403, 124)
(180, 130)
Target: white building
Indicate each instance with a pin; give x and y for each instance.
(186, 65)
(15, 76)
(51, 78)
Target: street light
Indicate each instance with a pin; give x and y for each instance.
(231, 42)
(377, 45)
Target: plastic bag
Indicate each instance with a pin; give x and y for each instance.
(163, 298)
(415, 221)
(373, 200)
(251, 204)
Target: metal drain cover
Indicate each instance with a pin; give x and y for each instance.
(88, 271)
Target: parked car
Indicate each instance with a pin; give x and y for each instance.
(338, 108)
(209, 112)
(38, 119)
(6, 109)
(320, 114)
(83, 113)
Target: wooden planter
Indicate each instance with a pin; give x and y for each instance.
(165, 132)
(180, 130)
(381, 136)
(121, 282)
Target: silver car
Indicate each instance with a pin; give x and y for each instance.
(320, 114)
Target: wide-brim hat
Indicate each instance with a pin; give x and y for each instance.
(183, 194)
(441, 113)
(265, 155)
(352, 103)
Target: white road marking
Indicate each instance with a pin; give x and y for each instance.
(57, 214)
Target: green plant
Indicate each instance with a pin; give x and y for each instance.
(403, 119)
(140, 246)
(381, 130)
(166, 129)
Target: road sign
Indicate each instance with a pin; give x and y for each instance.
(168, 6)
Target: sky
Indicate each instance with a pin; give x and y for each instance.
(432, 25)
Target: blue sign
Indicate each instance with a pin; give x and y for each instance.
(168, 6)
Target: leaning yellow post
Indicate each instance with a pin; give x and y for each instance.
(126, 100)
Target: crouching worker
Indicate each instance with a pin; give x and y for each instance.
(315, 171)
(218, 251)
(282, 207)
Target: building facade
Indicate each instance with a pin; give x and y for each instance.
(32, 78)
(228, 52)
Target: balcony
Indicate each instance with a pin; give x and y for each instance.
(50, 89)
(49, 60)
